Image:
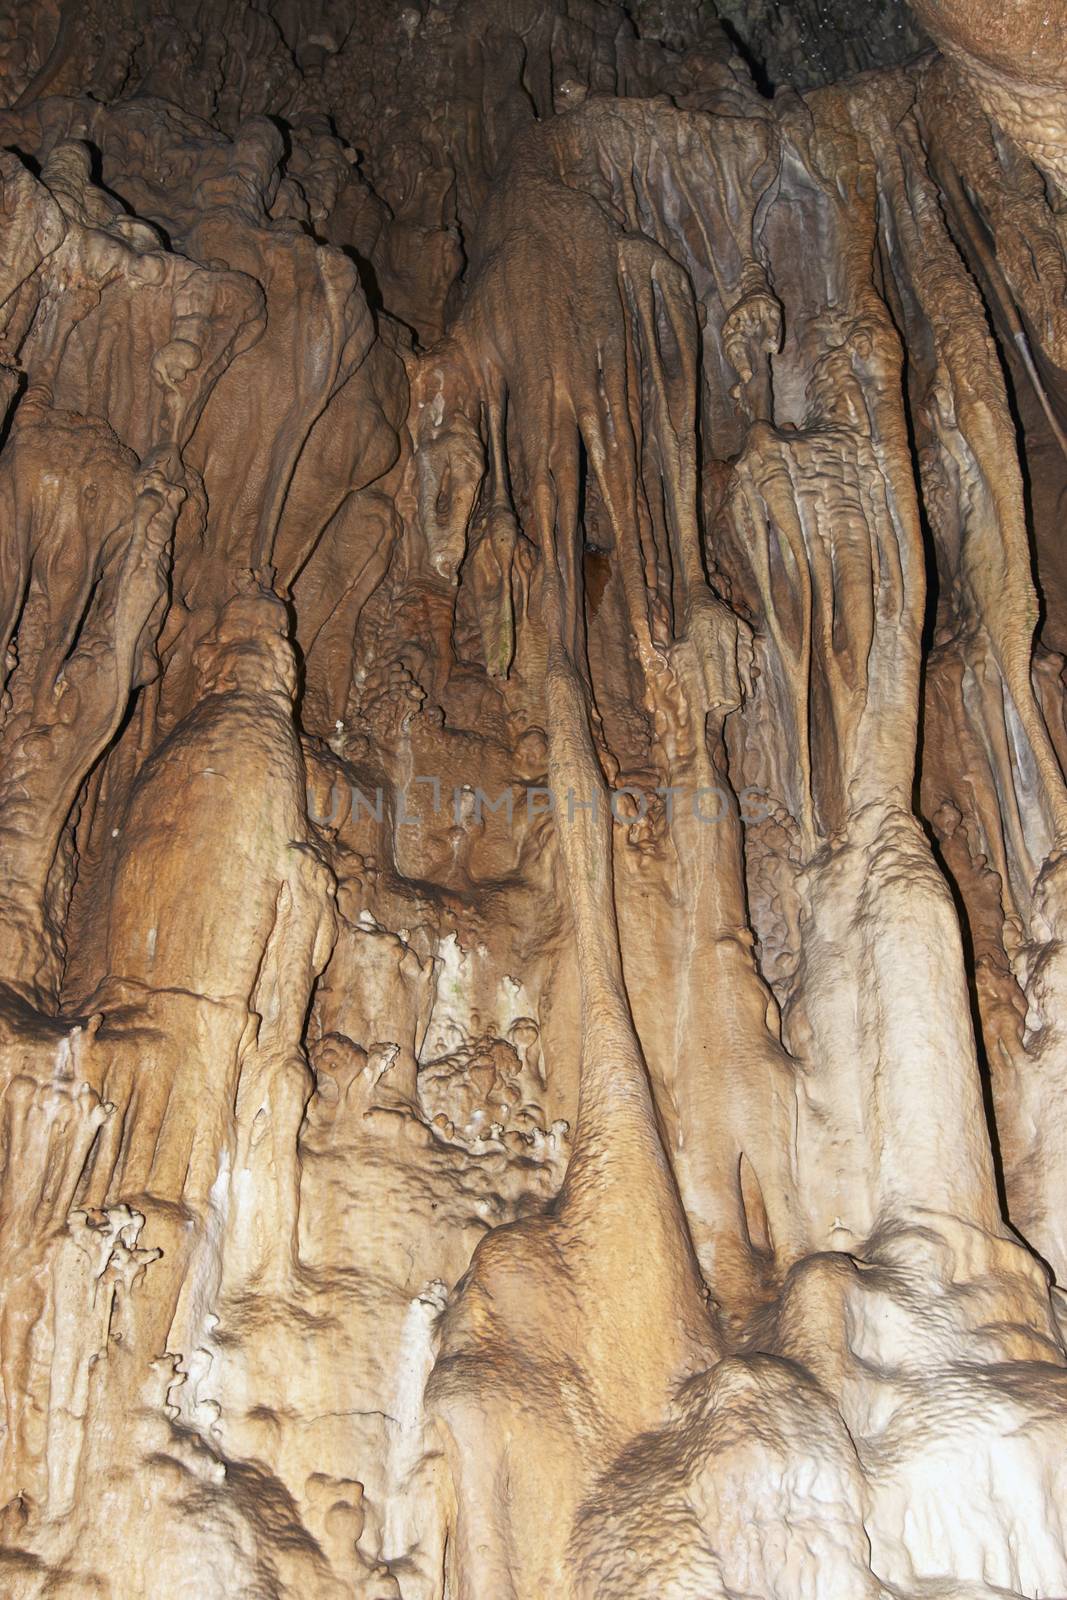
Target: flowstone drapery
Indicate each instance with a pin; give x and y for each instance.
(533, 1005)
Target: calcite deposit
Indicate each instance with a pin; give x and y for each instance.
(533, 831)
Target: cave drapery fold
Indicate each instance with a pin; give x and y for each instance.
(533, 831)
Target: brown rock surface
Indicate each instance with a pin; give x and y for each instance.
(533, 904)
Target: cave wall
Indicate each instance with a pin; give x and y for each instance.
(532, 902)
(805, 43)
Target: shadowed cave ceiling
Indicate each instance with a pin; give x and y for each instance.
(533, 995)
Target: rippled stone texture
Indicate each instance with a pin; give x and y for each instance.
(533, 1004)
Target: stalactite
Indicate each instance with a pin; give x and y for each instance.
(532, 807)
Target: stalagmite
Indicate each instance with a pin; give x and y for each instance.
(533, 913)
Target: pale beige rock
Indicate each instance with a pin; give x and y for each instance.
(533, 1002)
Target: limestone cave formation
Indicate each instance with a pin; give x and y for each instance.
(533, 829)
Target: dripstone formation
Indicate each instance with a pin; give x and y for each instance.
(533, 833)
